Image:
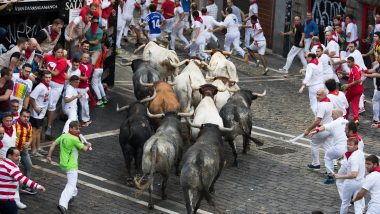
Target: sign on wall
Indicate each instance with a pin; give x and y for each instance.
(323, 11)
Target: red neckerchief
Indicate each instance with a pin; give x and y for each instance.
(318, 44)
(348, 154)
(22, 76)
(377, 43)
(94, 27)
(326, 99)
(21, 123)
(8, 131)
(53, 34)
(356, 135)
(335, 92)
(332, 39)
(15, 114)
(314, 61)
(76, 135)
(254, 25)
(45, 83)
(376, 169)
(308, 21)
(199, 19)
(28, 53)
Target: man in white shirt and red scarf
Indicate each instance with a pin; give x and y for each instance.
(371, 184)
(48, 37)
(354, 176)
(354, 89)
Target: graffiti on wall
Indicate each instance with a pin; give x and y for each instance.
(323, 11)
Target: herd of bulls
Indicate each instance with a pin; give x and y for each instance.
(151, 134)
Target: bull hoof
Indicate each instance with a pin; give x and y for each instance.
(151, 206)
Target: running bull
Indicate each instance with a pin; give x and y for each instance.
(161, 152)
(236, 113)
(134, 132)
(202, 165)
(164, 60)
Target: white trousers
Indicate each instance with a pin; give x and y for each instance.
(84, 103)
(351, 187)
(313, 97)
(153, 37)
(234, 39)
(295, 51)
(178, 32)
(373, 208)
(123, 23)
(339, 182)
(72, 115)
(323, 138)
(248, 35)
(96, 83)
(54, 95)
(70, 188)
(197, 48)
(307, 42)
(376, 105)
(333, 153)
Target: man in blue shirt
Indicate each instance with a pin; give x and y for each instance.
(154, 21)
(311, 29)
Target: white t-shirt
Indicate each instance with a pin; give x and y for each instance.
(71, 92)
(338, 130)
(209, 22)
(324, 110)
(199, 25)
(372, 184)
(70, 73)
(358, 59)
(356, 163)
(8, 141)
(20, 89)
(260, 36)
(253, 9)
(41, 95)
(129, 7)
(144, 8)
(333, 46)
(231, 23)
(339, 101)
(353, 29)
(313, 76)
(324, 64)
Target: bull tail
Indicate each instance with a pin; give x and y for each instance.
(139, 48)
(256, 141)
(189, 95)
(143, 187)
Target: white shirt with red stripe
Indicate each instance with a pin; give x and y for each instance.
(10, 176)
(324, 110)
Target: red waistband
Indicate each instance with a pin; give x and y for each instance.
(6, 200)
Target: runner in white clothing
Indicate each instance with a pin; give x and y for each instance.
(324, 65)
(337, 128)
(351, 30)
(71, 97)
(210, 23)
(178, 25)
(233, 34)
(337, 98)
(259, 44)
(371, 184)
(315, 44)
(198, 40)
(124, 19)
(253, 10)
(332, 48)
(313, 80)
(353, 178)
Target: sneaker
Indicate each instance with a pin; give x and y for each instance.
(86, 124)
(101, 106)
(20, 205)
(283, 71)
(42, 152)
(105, 101)
(62, 209)
(329, 180)
(375, 122)
(28, 190)
(99, 103)
(257, 63)
(36, 154)
(266, 71)
(48, 131)
(315, 168)
(246, 58)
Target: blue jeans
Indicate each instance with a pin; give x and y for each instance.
(26, 162)
(8, 207)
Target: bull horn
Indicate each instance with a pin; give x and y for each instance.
(224, 129)
(226, 52)
(149, 98)
(260, 95)
(122, 108)
(207, 66)
(186, 114)
(172, 83)
(232, 90)
(180, 63)
(139, 48)
(207, 51)
(150, 115)
(145, 84)
(192, 124)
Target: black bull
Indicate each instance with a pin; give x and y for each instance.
(142, 70)
(134, 132)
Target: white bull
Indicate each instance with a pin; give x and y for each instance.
(220, 66)
(190, 79)
(225, 88)
(164, 60)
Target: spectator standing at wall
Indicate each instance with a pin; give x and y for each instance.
(6, 87)
(311, 29)
(94, 36)
(351, 30)
(22, 44)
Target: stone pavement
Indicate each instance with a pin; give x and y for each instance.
(269, 179)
